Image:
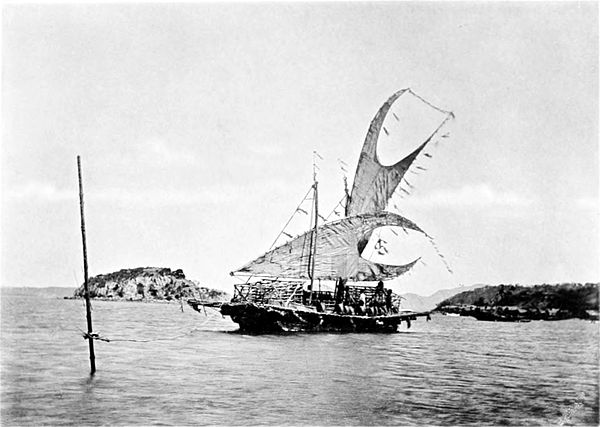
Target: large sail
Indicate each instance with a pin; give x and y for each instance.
(400, 130)
(339, 248)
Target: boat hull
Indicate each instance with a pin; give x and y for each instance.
(254, 318)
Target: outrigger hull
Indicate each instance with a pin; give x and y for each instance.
(263, 318)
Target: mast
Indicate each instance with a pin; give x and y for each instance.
(314, 233)
(88, 310)
(346, 193)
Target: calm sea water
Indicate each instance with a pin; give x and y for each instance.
(170, 367)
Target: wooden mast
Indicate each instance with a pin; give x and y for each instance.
(314, 233)
(88, 310)
(346, 193)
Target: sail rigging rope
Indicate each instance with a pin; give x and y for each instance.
(292, 217)
(339, 204)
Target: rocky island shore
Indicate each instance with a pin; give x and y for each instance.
(514, 303)
(148, 284)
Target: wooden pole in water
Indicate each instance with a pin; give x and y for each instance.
(88, 310)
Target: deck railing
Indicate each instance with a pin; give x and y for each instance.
(276, 292)
(284, 293)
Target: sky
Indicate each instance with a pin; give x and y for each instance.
(196, 124)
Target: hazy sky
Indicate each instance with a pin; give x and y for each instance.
(196, 124)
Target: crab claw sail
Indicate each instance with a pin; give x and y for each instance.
(339, 247)
(408, 123)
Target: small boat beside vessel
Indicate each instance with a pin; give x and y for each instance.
(330, 278)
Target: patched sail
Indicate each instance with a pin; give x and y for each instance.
(339, 246)
(400, 130)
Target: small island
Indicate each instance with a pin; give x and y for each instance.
(515, 303)
(148, 284)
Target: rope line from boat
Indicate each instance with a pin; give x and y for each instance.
(99, 337)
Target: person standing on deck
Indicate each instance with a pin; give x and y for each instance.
(379, 299)
(362, 303)
(388, 301)
(348, 302)
(339, 296)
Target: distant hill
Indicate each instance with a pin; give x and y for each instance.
(539, 301)
(148, 283)
(422, 303)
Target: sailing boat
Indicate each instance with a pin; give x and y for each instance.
(350, 251)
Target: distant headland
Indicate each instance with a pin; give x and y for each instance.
(148, 284)
(523, 303)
